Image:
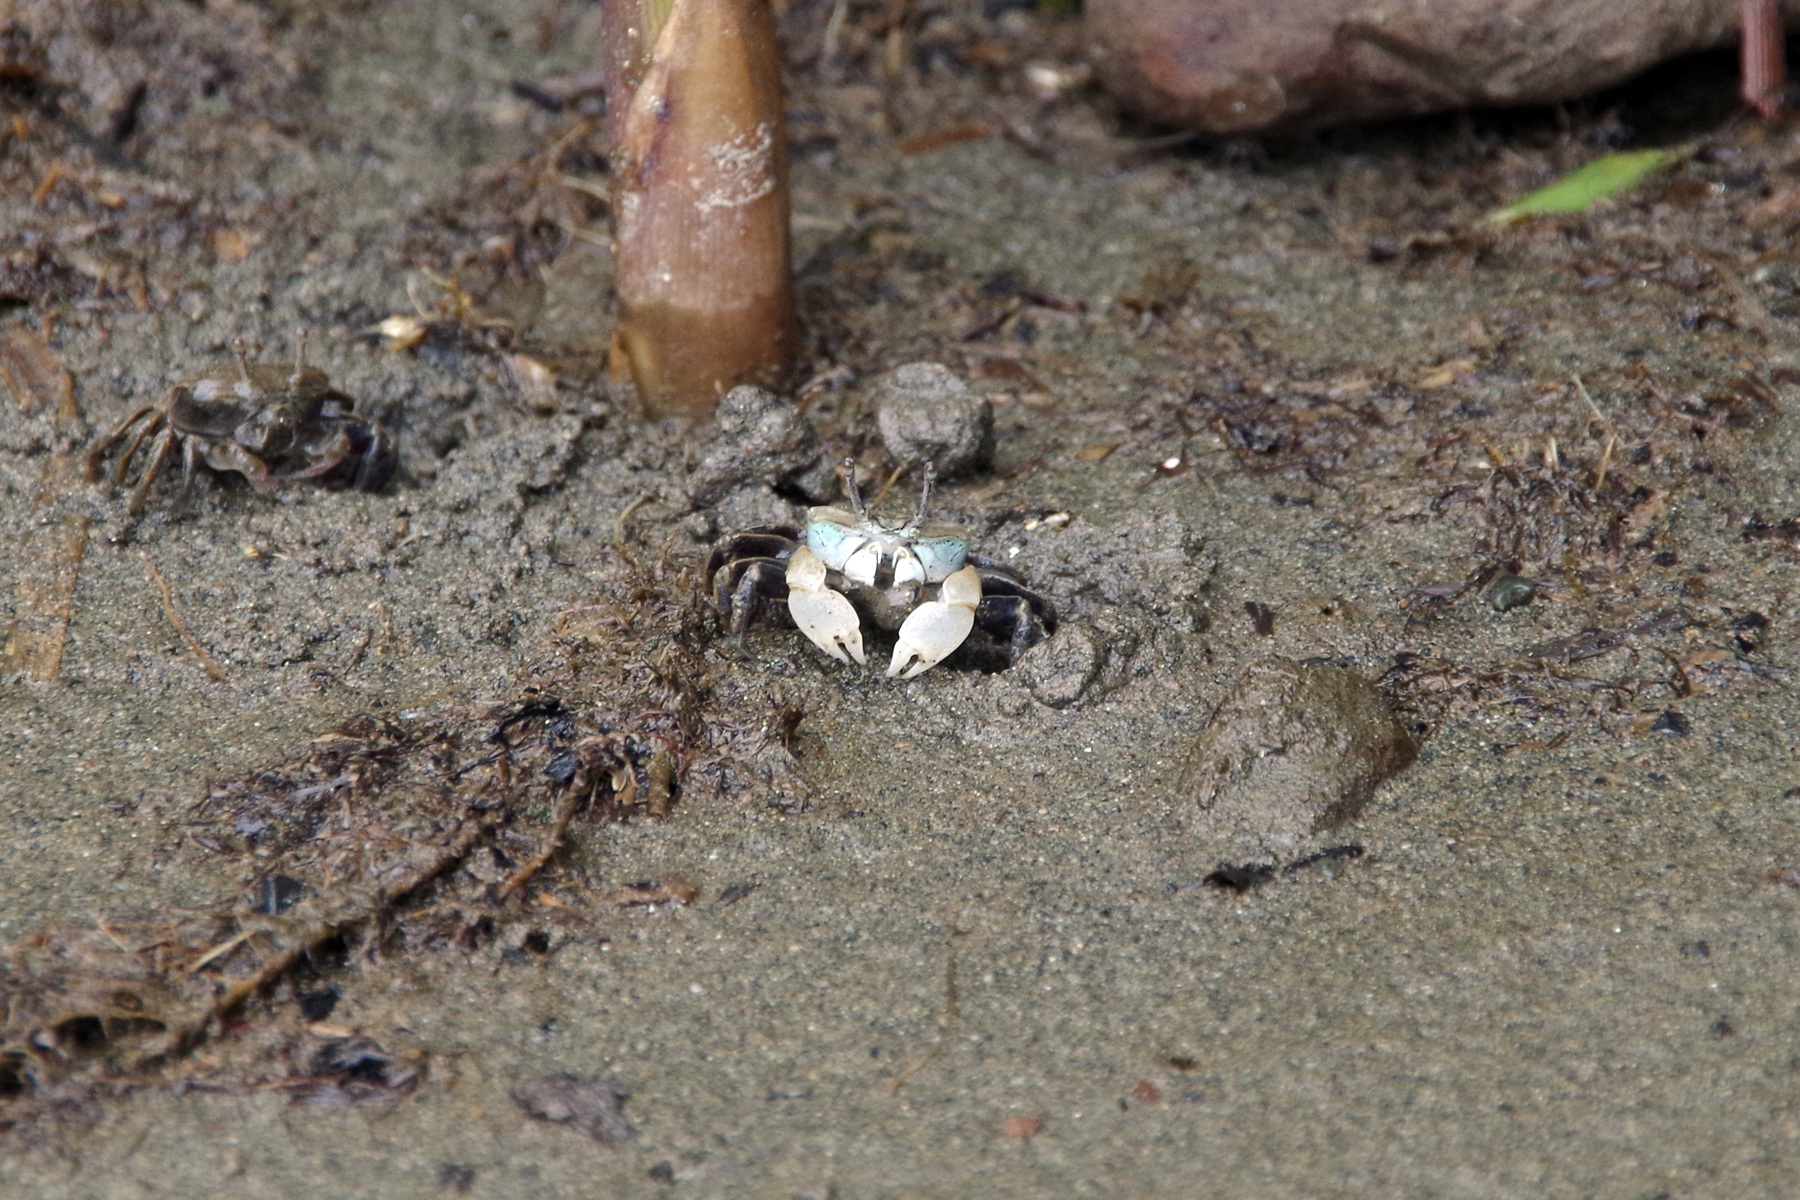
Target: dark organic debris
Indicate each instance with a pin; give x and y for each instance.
(1329, 854)
(398, 834)
(1247, 877)
(354, 1071)
(1749, 631)
(735, 892)
(1673, 723)
(456, 1178)
(1262, 618)
(593, 1105)
(1758, 530)
(318, 1006)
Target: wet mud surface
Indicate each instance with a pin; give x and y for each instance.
(890, 939)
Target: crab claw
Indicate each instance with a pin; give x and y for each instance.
(939, 626)
(823, 615)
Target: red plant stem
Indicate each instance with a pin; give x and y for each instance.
(1764, 57)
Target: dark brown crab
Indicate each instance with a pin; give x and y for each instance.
(266, 423)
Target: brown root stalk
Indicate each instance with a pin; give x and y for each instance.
(701, 212)
(1763, 67)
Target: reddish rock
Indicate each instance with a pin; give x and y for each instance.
(1235, 67)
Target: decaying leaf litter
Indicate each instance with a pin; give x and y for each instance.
(1317, 383)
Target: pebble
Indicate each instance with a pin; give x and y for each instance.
(1059, 670)
(927, 414)
(758, 439)
(1080, 662)
(1509, 592)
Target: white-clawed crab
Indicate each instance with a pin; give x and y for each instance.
(917, 578)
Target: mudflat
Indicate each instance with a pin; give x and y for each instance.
(946, 936)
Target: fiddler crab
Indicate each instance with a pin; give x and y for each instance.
(264, 422)
(917, 578)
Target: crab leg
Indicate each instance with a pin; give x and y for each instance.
(150, 427)
(823, 615)
(159, 456)
(936, 627)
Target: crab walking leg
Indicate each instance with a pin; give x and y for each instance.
(823, 615)
(937, 627)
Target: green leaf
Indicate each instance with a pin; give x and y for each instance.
(1573, 193)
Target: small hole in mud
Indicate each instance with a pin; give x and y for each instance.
(478, 933)
(12, 1077)
(81, 1034)
(330, 955)
(88, 1036)
(318, 1006)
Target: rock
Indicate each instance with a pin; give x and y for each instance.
(1058, 670)
(758, 439)
(1294, 749)
(1509, 592)
(1079, 662)
(593, 1105)
(927, 414)
(1237, 67)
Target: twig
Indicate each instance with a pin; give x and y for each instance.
(214, 671)
(219, 951)
(887, 487)
(618, 541)
(828, 45)
(100, 923)
(937, 1048)
(937, 1045)
(356, 655)
(1581, 390)
(1606, 453)
(564, 813)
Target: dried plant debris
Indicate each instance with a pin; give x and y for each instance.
(594, 1106)
(394, 835)
(1575, 528)
(115, 109)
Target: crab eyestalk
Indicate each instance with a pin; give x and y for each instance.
(848, 469)
(925, 494)
(701, 212)
(299, 359)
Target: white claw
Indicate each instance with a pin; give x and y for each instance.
(937, 627)
(823, 615)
